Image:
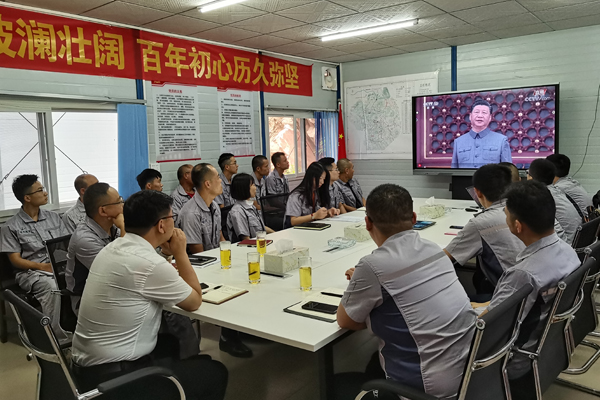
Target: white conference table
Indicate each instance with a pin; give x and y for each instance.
(260, 311)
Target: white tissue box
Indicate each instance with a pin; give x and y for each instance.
(280, 263)
(357, 232)
(432, 211)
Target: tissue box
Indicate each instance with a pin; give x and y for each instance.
(432, 211)
(357, 232)
(280, 263)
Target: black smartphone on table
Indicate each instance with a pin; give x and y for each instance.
(320, 307)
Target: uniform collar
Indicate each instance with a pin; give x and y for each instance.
(276, 174)
(139, 241)
(244, 204)
(256, 181)
(182, 191)
(97, 229)
(42, 215)
(397, 236)
(496, 205)
(224, 178)
(80, 206)
(481, 134)
(537, 246)
(201, 203)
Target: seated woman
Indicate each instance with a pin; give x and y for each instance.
(244, 220)
(310, 200)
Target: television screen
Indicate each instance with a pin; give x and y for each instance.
(465, 130)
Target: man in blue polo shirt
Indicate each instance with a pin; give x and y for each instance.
(481, 145)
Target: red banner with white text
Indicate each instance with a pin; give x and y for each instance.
(36, 41)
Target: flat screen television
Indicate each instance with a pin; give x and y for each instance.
(457, 132)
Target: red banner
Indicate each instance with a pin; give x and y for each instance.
(36, 41)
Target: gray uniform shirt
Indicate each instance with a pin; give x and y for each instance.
(566, 213)
(351, 192)
(85, 244)
(487, 235)
(335, 196)
(542, 265)
(574, 190)
(225, 197)
(180, 197)
(276, 184)
(244, 220)
(74, 216)
(408, 294)
(201, 224)
(297, 207)
(261, 187)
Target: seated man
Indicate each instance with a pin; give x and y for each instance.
(487, 233)
(150, 179)
(103, 224)
(545, 261)
(276, 181)
(348, 186)
(185, 190)
(568, 185)
(75, 215)
(514, 171)
(335, 196)
(120, 311)
(567, 213)
(229, 168)
(408, 294)
(23, 239)
(260, 171)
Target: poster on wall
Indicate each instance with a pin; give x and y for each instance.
(378, 115)
(176, 118)
(236, 122)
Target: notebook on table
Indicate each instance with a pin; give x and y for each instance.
(218, 294)
(314, 226)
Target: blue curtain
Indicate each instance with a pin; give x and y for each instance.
(326, 124)
(133, 146)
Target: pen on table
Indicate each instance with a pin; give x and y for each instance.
(210, 290)
(450, 233)
(332, 294)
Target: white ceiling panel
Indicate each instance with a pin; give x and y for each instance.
(390, 51)
(574, 22)
(318, 11)
(172, 6)
(181, 25)
(401, 38)
(364, 6)
(493, 11)
(276, 5)
(469, 39)
(295, 48)
(424, 46)
(263, 42)
(347, 58)
(457, 5)
(126, 13)
(538, 5)
(268, 23)
(569, 12)
(458, 30)
(514, 21)
(68, 6)
(365, 45)
(521, 31)
(403, 12)
(434, 22)
(226, 15)
(303, 32)
(323, 54)
(225, 34)
(351, 22)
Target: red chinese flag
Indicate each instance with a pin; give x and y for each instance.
(341, 138)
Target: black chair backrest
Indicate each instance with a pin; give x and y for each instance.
(495, 332)
(273, 210)
(586, 318)
(555, 347)
(57, 249)
(37, 336)
(7, 276)
(224, 214)
(586, 234)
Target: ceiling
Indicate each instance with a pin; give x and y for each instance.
(294, 26)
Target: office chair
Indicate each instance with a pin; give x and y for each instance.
(273, 210)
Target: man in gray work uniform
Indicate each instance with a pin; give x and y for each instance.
(75, 215)
(487, 234)
(185, 190)
(229, 167)
(23, 238)
(568, 185)
(276, 182)
(408, 294)
(349, 186)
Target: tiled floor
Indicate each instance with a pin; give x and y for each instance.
(276, 372)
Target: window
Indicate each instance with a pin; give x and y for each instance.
(294, 135)
(82, 141)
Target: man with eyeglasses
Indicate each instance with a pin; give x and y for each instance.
(23, 237)
(229, 168)
(75, 215)
(337, 200)
(103, 224)
(120, 312)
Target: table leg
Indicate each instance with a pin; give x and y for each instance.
(325, 370)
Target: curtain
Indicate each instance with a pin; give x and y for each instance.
(326, 124)
(133, 146)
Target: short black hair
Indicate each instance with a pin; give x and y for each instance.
(343, 164)
(143, 210)
(147, 176)
(481, 102)
(390, 208)
(492, 180)
(94, 196)
(80, 183)
(22, 185)
(200, 174)
(562, 164)
(180, 170)
(327, 162)
(532, 204)
(275, 157)
(240, 186)
(258, 161)
(224, 160)
(514, 171)
(542, 170)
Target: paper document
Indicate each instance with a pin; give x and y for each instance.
(348, 218)
(217, 294)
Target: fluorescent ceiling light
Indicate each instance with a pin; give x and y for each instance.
(366, 31)
(218, 4)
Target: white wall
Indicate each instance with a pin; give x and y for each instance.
(570, 57)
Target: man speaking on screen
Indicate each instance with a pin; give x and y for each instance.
(481, 145)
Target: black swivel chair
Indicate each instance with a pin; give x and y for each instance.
(273, 210)
(55, 380)
(57, 250)
(485, 373)
(224, 214)
(586, 234)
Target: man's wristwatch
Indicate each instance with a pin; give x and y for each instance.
(312, 216)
